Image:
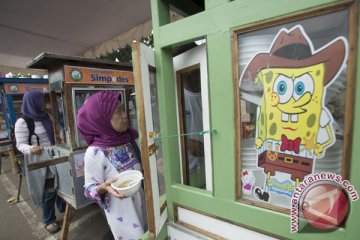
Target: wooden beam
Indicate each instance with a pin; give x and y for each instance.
(34, 166)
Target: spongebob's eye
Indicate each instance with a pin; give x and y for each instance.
(299, 88)
(284, 87)
(303, 84)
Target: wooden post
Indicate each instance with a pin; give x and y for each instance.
(1, 156)
(19, 187)
(69, 213)
(6, 147)
(14, 164)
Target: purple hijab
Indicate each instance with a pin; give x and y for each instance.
(94, 121)
(32, 108)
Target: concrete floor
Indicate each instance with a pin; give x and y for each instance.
(22, 220)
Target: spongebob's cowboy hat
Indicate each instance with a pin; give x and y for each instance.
(293, 49)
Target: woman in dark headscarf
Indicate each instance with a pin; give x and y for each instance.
(42, 182)
(103, 123)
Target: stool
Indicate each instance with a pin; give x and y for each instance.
(6, 147)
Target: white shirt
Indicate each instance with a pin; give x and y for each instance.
(194, 123)
(193, 114)
(22, 136)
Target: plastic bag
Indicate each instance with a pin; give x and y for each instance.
(36, 178)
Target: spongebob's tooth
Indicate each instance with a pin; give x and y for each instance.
(284, 117)
(294, 118)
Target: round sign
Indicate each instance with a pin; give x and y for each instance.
(14, 88)
(75, 74)
(325, 206)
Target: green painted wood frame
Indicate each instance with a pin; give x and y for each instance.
(216, 24)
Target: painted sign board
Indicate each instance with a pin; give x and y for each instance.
(96, 76)
(21, 88)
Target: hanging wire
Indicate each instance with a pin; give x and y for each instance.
(211, 131)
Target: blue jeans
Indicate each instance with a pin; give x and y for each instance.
(48, 206)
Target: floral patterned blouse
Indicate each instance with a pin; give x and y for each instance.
(126, 217)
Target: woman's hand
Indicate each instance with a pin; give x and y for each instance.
(106, 188)
(36, 150)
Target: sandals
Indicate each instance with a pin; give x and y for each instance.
(52, 228)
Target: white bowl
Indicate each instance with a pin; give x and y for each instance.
(128, 182)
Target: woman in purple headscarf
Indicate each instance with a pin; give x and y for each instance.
(103, 123)
(42, 182)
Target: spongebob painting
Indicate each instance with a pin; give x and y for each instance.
(294, 128)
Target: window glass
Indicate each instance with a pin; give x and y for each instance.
(191, 122)
(156, 128)
(292, 80)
